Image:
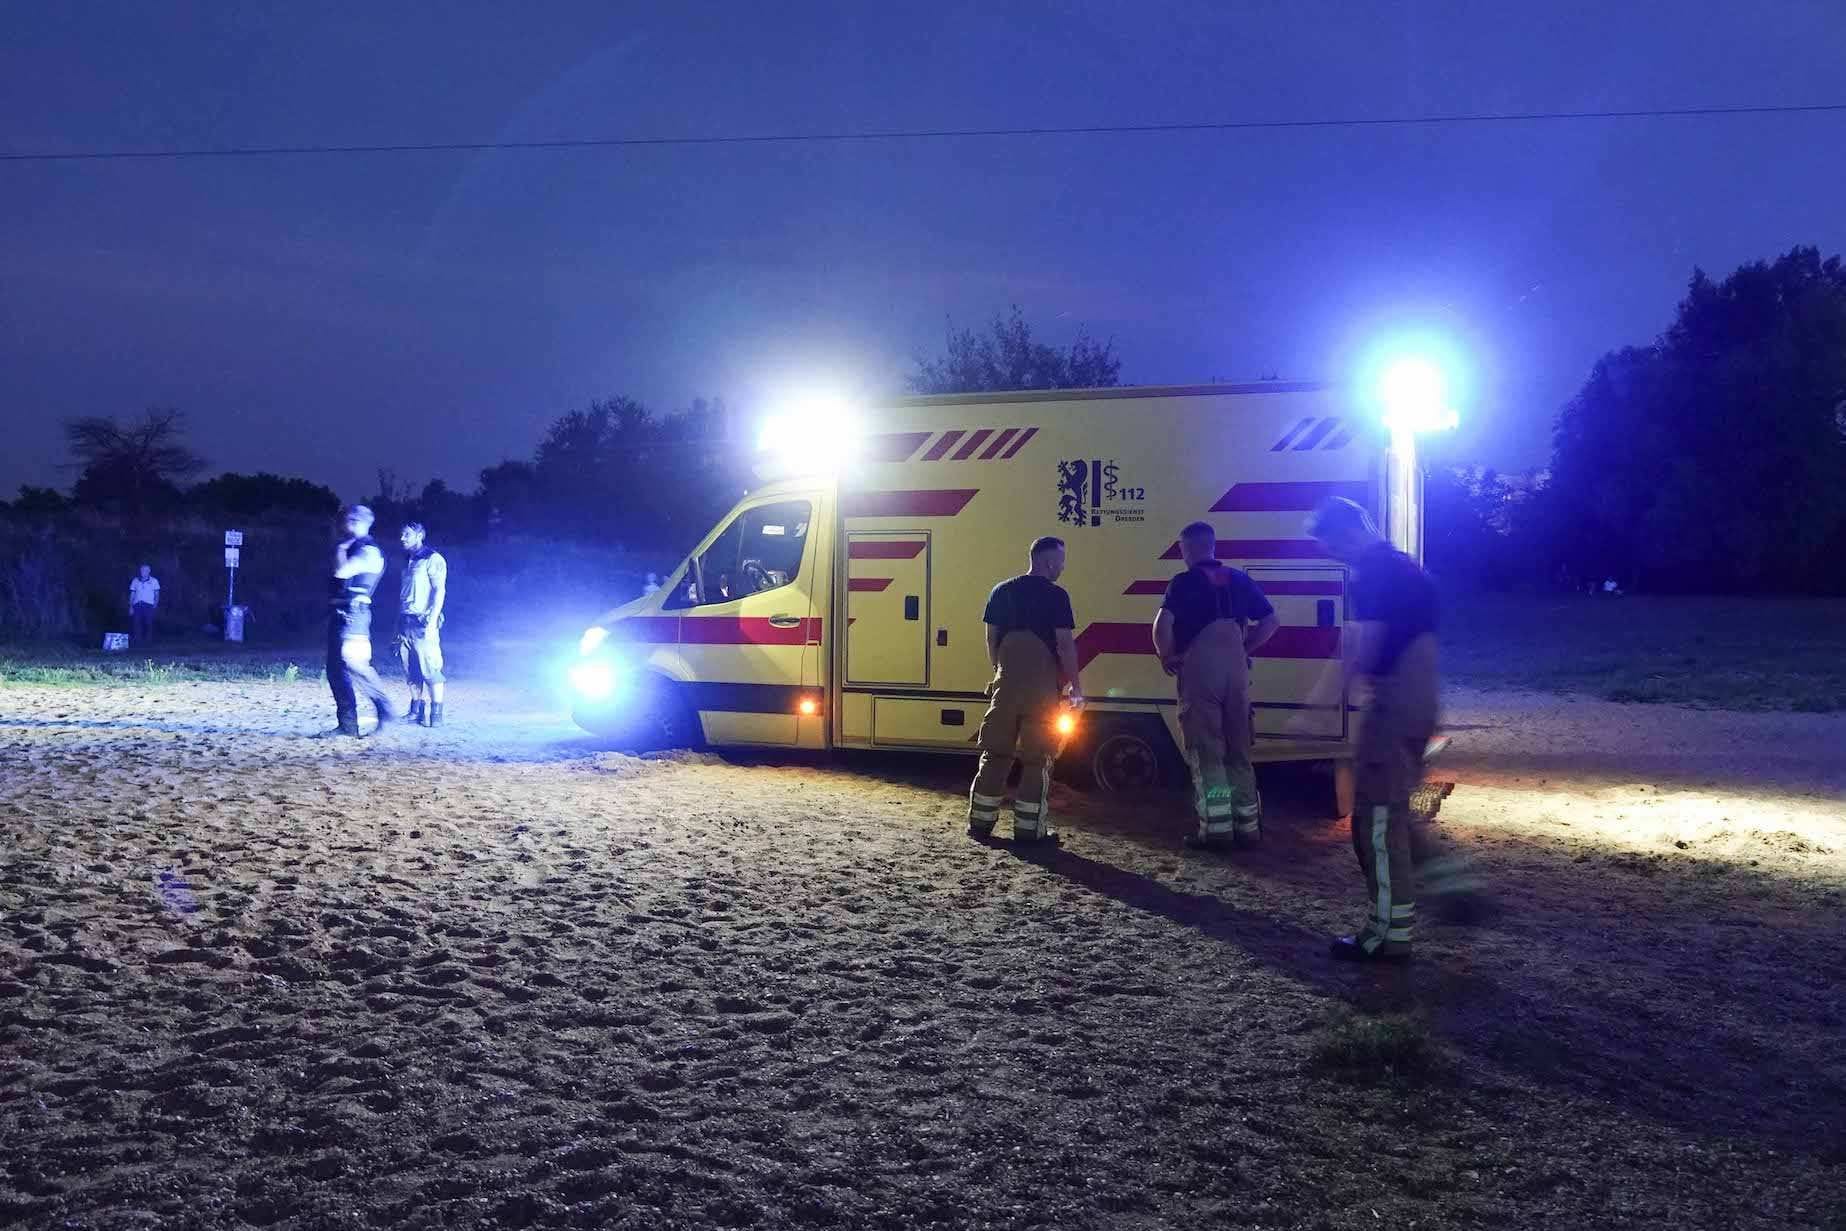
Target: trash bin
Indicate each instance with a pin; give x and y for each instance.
(234, 623)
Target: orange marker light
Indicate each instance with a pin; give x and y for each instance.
(1067, 722)
(809, 707)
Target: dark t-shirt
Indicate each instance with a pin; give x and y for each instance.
(1209, 592)
(1390, 588)
(1040, 607)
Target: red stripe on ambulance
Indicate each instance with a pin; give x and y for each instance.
(868, 585)
(1259, 549)
(1334, 588)
(974, 442)
(944, 502)
(1287, 497)
(942, 446)
(746, 630)
(894, 446)
(885, 549)
(1290, 641)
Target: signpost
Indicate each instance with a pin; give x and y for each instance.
(233, 614)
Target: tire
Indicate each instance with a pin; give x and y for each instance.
(1129, 754)
(660, 720)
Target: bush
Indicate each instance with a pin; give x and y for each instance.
(65, 577)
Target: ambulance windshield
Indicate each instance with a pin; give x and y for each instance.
(760, 550)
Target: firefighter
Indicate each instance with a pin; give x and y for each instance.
(1031, 643)
(357, 567)
(1394, 604)
(422, 593)
(1212, 619)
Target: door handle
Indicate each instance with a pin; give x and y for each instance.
(785, 621)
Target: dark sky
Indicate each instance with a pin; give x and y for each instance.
(431, 312)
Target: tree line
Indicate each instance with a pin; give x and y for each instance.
(1712, 459)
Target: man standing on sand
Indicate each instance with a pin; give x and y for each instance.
(357, 567)
(421, 595)
(1211, 621)
(143, 599)
(1031, 644)
(1394, 603)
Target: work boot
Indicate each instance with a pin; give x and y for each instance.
(349, 724)
(1352, 949)
(435, 715)
(414, 713)
(1214, 845)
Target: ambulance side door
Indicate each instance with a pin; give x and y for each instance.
(748, 631)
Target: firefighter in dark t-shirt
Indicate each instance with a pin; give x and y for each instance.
(1031, 645)
(1211, 621)
(1394, 603)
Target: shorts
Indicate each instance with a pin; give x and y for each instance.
(419, 648)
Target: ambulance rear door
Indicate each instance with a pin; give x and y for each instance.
(1297, 683)
(887, 608)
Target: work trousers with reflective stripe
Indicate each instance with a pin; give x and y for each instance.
(1214, 721)
(1393, 732)
(1019, 726)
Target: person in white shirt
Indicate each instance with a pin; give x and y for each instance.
(651, 585)
(143, 598)
(422, 593)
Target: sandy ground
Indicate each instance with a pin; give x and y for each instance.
(497, 976)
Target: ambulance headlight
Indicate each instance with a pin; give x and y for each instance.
(595, 679)
(592, 637)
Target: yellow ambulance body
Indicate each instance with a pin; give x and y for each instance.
(845, 611)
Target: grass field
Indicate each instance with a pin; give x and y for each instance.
(1716, 653)
(179, 663)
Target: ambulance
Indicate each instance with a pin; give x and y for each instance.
(842, 608)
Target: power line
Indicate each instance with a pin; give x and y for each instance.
(926, 134)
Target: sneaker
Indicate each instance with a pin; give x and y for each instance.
(1348, 949)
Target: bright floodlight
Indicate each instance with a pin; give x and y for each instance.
(1415, 396)
(593, 636)
(811, 434)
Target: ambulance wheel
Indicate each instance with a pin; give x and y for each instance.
(1130, 754)
(662, 719)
